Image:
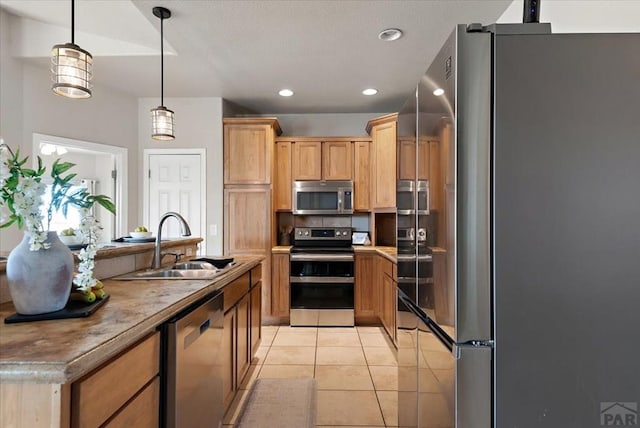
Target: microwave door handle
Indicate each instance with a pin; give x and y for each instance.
(340, 201)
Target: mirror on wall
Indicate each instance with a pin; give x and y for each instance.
(99, 167)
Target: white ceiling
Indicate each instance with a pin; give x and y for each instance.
(327, 51)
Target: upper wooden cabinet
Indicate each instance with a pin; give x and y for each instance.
(362, 176)
(282, 177)
(306, 160)
(314, 158)
(337, 160)
(383, 135)
(407, 159)
(248, 147)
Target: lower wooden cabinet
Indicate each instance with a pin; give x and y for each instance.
(104, 395)
(280, 285)
(243, 359)
(366, 302)
(388, 295)
(255, 333)
(228, 358)
(241, 330)
(142, 411)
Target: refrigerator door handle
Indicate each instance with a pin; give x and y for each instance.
(442, 336)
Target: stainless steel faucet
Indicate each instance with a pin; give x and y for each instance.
(184, 230)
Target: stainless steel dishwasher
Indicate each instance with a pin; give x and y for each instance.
(193, 389)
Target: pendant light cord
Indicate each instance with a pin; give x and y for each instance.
(161, 62)
(73, 17)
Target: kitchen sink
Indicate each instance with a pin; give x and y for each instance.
(185, 270)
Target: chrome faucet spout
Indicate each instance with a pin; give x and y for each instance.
(185, 230)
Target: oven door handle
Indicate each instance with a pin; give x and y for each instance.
(297, 257)
(321, 279)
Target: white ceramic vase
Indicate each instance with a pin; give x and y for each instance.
(40, 281)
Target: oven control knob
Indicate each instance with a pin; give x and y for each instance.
(306, 233)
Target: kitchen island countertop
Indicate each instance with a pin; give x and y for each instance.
(61, 351)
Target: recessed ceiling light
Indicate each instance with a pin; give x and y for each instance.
(390, 34)
(438, 92)
(285, 92)
(370, 91)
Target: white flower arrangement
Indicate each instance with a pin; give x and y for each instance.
(21, 192)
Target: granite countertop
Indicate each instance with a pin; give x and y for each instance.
(61, 351)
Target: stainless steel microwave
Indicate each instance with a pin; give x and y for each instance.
(322, 197)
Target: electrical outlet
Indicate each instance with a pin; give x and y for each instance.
(213, 230)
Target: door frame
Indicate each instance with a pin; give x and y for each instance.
(120, 157)
(203, 184)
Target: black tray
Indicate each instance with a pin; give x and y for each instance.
(77, 246)
(74, 309)
(218, 263)
(138, 240)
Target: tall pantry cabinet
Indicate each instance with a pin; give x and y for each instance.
(248, 191)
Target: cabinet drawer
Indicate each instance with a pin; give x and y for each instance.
(234, 291)
(142, 412)
(100, 394)
(256, 274)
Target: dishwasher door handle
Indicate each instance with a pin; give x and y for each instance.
(190, 338)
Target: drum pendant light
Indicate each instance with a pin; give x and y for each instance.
(71, 67)
(162, 117)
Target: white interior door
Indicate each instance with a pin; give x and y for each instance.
(175, 184)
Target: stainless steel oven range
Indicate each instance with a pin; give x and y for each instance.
(321, 277)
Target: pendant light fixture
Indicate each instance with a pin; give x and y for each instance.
(72, 67)
(162, 117)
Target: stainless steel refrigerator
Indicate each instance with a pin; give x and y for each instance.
(521, 307)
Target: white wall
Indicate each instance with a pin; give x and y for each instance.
(28, 105)
(198, 123)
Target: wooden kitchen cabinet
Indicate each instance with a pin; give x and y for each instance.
(96, 398)
(337, 160)
(243, 358)
(280, 286)
(383, 136)
(247, 216)
(240, 327)
(248, 148)
(255, 334)
(282, 177)
(407, 160)
(365, 305)
(362, 176)
(322, 160)
(228, 358)
(387, 289)
(306, 160)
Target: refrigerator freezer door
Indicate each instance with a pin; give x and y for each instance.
(567, 235)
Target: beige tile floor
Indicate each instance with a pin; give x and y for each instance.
(355, 369)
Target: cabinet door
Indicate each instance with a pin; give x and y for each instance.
(229, 357)
(280, 285)
(384, 158)
(282, 177)
(141, 412)
(387, 295)
(247, 154)
(407, 160)
(365, 302)
(362, 176)
(337, 160)
(247, 213)
(256, 317)
(243, 358)
(306, 160)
